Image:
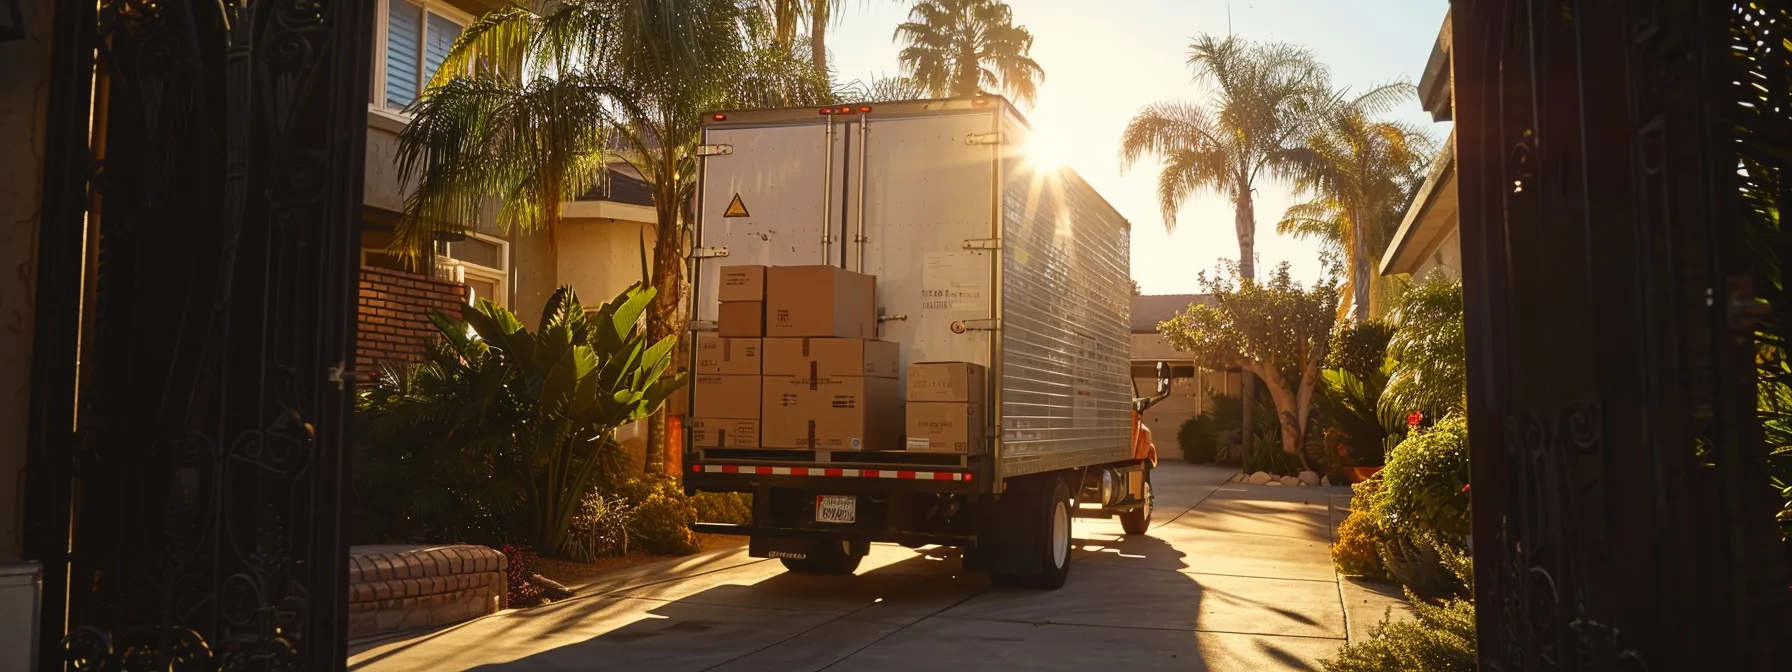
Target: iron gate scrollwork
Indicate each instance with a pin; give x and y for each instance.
(1622, 514)
(205, 161)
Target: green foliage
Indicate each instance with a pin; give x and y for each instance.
(1197, 439)
(1440, 639)
(1422, 487)
(1356, 552)
(735, 508)
(1266, 455)
(520, 591)
(1360, 348)
(513, 429)
(600, 529)
(955, 48)
(1774, 407)
(663, 515)
(1352, 405)
(1429, 351)
(1276, 329)
(1423, 563)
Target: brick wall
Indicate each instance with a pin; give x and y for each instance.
(392, 320)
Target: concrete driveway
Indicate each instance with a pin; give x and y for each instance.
(1231, 577)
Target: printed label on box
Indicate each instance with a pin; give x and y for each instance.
(919, 444)
(955, 283)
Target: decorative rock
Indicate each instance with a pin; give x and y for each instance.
(1260, 478)
(1325, 481)
(1274, 483)
(1290, 481)
(1309, 478)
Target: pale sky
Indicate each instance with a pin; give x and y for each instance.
(1104, 60)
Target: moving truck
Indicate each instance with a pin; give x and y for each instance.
(982, 257)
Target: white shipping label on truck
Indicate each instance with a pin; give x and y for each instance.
(955, 284)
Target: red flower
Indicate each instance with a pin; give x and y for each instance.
(1465, 487)
(1413, 419)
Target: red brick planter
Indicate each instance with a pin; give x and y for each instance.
(409, 587)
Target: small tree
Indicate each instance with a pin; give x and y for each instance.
(1275, 329)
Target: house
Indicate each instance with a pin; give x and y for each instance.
(605, 237)
(1190, 386)
(1427, 242)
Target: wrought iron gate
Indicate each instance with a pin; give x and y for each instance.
(1622, 515)
(197, 258)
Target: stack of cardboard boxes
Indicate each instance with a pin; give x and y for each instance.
(796, 364)
(945, 407)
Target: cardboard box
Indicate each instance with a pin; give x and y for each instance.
(831, 357)
(946, 381)
(731, 356)
(741, 319)
(819, 302)
(944, 426)
(841, 413)
(724, 433)
(742, 283)
(726, 397)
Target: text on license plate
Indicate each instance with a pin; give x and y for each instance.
(836, 508)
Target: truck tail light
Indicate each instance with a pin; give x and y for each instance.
(864, 109)
(720, 117)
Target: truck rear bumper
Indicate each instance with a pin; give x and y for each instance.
(731, 478)
(842, 534)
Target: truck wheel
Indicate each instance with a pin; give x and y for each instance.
(831, 559)
(1052, 544)
(1137, 521)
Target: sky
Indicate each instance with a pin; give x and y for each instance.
(1104, 60)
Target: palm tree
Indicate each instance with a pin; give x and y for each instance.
(966, 47)
(1360, 173)
(1265, 99)
(604, 80)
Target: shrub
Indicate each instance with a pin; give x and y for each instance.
(1359, 348)
(662, 515)
(600, 529)
(1196, 437)
(519, 590)
(1423, 487)
(734, 508)
(1428, 351)
(1422, 563)
(1440, 639)
(1266, 455)
(1356, 551)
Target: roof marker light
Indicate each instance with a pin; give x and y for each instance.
(720, 117)
(864, 108)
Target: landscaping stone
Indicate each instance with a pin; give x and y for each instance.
(1325, 481)
(1260, 478)
(407, 587)
(1290, 481)
(1309, 478)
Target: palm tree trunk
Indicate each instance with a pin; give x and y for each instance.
(1360, 269)
(1245, 221)
(665, 316)
(818, 34)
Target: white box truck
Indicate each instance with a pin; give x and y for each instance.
(980, 255)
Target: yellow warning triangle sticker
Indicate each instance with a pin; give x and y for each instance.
(736, 208)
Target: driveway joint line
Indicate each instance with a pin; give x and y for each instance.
(1140, 627)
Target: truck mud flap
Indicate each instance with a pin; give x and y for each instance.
(1009, 531)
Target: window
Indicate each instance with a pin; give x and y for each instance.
(481, 263)
(417, 39)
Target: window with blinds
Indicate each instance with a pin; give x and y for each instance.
(417, 42)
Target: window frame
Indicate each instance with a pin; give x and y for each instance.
(377, 98)
(499, 277)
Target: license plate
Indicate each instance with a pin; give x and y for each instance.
(836, 508)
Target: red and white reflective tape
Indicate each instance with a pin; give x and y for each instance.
(831, 471)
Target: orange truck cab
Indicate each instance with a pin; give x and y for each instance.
(1142, 446)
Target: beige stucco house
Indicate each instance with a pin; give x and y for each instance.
(1190, 386)
(1427, 242)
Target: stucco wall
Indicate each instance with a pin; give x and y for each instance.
(602, 257)
(24, 90)
(1446, 260)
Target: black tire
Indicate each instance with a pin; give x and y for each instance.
(835, 559)
(1054, 548)
(1137, 521)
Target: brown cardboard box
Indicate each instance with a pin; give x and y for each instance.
(819, 301)
(724, 433)
(946, 381)
(741, 319)
(732, 356)
(742, 283)
(726, 397)
(841, 413)
(944, 426)
(831, 357)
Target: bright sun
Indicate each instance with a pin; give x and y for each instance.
(1042, 153)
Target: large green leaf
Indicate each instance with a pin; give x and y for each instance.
(562, 380)
(500, 328)
(626, 310)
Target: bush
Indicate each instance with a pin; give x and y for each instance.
(1266, 455)
(1356, 552)
(1423, 487)
(1196, 437)
(735, 508)
(1359, 348)
(600, 529)
(519, 590)
(662, 515)
(1423, 564)
(1440, 639)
